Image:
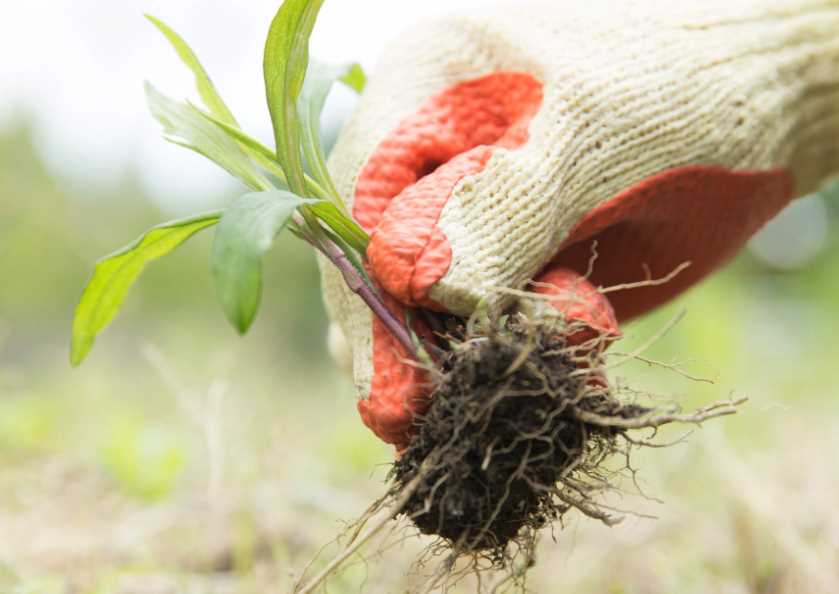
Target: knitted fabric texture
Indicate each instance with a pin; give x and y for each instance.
(631, 90)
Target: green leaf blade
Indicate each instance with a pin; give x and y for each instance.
(285, 62)
(206, 89)
(318, 83)
(342, 224)
(185, 125)
(355, 78)
(114, 275)
(245, 233)
(261, 154)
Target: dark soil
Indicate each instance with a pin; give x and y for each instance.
(501, 432)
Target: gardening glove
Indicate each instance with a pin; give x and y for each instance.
(494, 149)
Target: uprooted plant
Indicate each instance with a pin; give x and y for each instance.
(520, 421)
(520, 431)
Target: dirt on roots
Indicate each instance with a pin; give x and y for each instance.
(503, 449)
(522, 427)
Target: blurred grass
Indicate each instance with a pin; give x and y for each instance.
(182, 458)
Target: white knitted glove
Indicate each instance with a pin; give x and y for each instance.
(492, 149)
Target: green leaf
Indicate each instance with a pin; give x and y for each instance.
(319, 80)
(284, 67)
(185, 125)
(355, 78)
(336, 218)
(264, 156)
(246, 231)
(342, 224)
(260, 153)
(114, 275)
(206, 89)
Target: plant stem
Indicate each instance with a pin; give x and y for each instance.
(356, 283)
(359, 286)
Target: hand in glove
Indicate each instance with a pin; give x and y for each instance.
(493, 149)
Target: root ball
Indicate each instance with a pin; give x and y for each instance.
(502, 436)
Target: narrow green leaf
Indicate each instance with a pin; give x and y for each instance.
(284, 67)
(260, 153)
(355, 78)
(319, 80)
(342, 224)
(263, 156)
(246, 231)
(206, 88)
(185, 125)
(114, 275)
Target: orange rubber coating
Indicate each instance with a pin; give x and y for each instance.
(697, 214)
(399, 195)
(406, 182)
(399, 388)
(580, 302)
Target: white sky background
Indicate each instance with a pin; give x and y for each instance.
(78, 66)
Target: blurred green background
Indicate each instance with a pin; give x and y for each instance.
(183, 458)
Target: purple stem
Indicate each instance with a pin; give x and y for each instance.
(357, 284)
